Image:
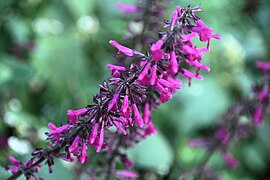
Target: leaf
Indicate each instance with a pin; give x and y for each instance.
(3, 173)
(154, 153)
(6, 174)
(60, 171)
(12, 72)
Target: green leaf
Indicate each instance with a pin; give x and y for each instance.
(153, 153)
(13, 72)
(4, 174)
(60, 171)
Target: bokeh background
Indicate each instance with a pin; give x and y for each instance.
(53, 54)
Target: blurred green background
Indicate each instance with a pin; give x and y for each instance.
(53, 54)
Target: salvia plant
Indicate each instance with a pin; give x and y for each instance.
(121, 113)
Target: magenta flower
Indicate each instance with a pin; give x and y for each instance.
(93, 135)
(113, 101)
(126, 174)
(199, 66)
(144, 71)
(15, 167)
(193, 53)
(263, 65)
(127, 8)
(101, 139)
(115, 67)
(74, 146)
(146, 113)
(230, 160)
(188, 37)
(122, 49)
(156, 50)
(153, 75)
(222, 135)
(56, 131)
(263, 95)
(257, 116)
(73, 114)
(126, 162)
(119, 127)
(173, 68)
(83, 157)
(150, 129)
(137, 116)
(174, 19)
(125, 109)
(205, 32)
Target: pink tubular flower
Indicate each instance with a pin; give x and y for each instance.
(126, 162)
(83, 156)
(199, 66)
(153, 75)
(222, 135)
(264, 93)
(122, 49)
(205, 32)
(144, 71)
(93, 136)
(15, 167)
(190, 75)
(150, 129)
(179, 10)
(264, 65)
(113, 101)
(115, 67)
(146, 113)
(137, 116)
(258, 115)
(156, 50)
(188, 37)
(165, 96)
(174, 19)
(230, 160)
(119, 127)
(56, 131)
(73, 114)
(127, 8)
(126, 174)
(14, 161)
(101, 139)
(74, 146)
(173, 68)
(125, 109)
(194, 53)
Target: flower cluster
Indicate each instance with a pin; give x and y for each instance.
(17, 166)
(231, 129)
(147, 19)
(132, 93)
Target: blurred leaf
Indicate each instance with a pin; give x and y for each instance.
(189, 156)
(253, 157)
(13, 72)
(3, 173)
(203, 102)
(59, 171)
(154, 153)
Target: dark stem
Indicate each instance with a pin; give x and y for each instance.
(111, 161)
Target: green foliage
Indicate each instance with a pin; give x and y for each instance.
(153, 153)
(69, 59)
